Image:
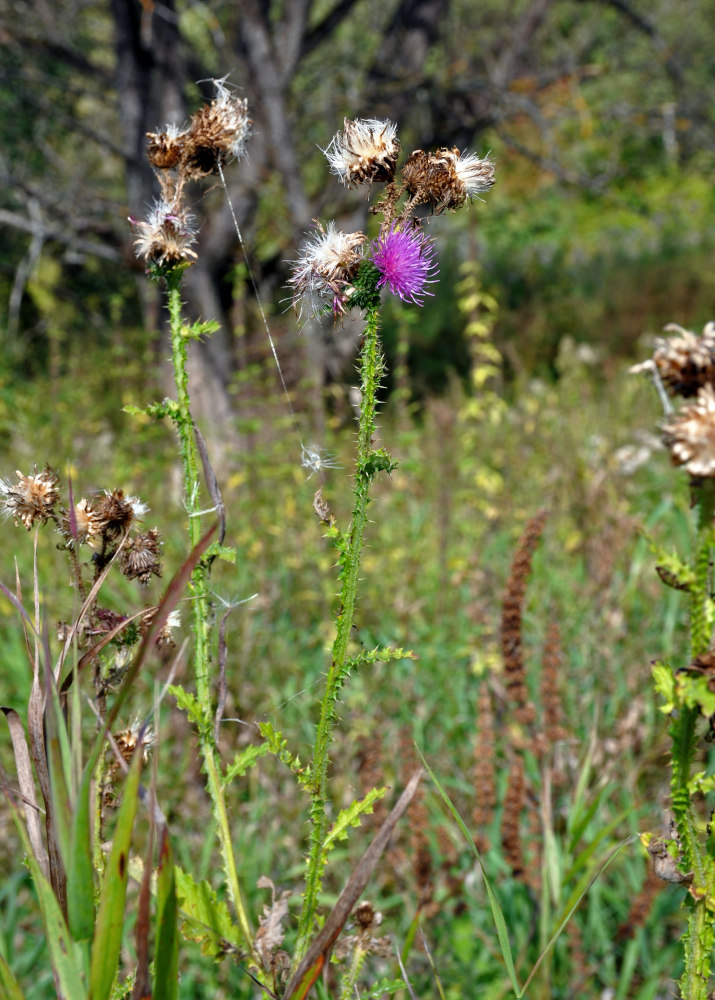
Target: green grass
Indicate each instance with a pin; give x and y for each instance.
(445, 526)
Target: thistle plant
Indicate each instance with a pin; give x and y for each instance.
(335, 273)
(684, 366)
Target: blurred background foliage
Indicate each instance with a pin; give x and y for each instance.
(507, 393)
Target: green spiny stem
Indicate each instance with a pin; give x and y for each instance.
(371, 369)
(199, 590)
(698, 941)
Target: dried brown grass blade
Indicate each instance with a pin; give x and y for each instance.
(319, 951)
(26, 785)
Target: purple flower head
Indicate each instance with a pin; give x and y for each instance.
(405, 260)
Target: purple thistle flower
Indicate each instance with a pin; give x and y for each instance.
(405, 260)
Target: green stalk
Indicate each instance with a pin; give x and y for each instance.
(199, 591)
(368, 464)
(698, 940)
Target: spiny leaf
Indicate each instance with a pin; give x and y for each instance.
(351, 817)
(279, 747)
(188, 703)
(243, 760)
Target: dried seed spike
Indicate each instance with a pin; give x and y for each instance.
(514, 803)
(512, 607)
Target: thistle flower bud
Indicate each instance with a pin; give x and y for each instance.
(217, 134)
(167, 235)
(32, 498)
(690, 435)
(446, 179)
(365, 152)
(324, 269)
(140, 557)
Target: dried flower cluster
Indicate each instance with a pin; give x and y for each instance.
(334, 267)
(216, 135)
(685, 365)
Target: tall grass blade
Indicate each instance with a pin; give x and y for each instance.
(166, 959)
(9, 986)
(110, 919)
(63, 956)
(498, 916)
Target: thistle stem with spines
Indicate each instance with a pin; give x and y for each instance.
(371, 369)
(200, 603)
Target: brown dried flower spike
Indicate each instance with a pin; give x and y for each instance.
(32, 498)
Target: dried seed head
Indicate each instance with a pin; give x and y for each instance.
(324, 270)
(165, 637)
(446, 179)
(365, 152)
(690, 435)
(115, 513)
(32, 498)
(80, 525)
(217, 134)
(165, 149)
(167, 236)
(140, 557)
(687, 362)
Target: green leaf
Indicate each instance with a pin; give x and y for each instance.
(9, 986)
(80, 870)
(200, 329)
(664, 684)
(63, 954)
(278, 746)
(226, 553)
(110, 919)
(244, 760)
(383, 988)
(351, 817)
(204, 918)
(188, 703)
(166, 958)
